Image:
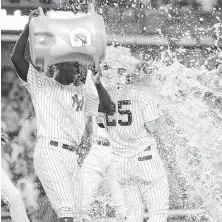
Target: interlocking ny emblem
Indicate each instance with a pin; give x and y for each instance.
(78, 103)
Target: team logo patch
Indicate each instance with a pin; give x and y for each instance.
(77, 103)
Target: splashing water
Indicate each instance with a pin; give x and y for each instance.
(191, 132)
(190, 138)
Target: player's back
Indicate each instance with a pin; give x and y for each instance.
(126, 124)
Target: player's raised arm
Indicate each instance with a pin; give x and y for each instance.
(106, 104)
(18, 54)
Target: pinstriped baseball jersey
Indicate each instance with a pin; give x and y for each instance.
(133, 108)
(60, 109)
(98, 166)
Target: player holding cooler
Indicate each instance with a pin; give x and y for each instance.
(139, 168)
(61, 104)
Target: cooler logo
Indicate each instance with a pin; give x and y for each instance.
(80, 37)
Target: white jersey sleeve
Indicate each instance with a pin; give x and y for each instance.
(92, 98)
(35, 80)
(92, 104)
(150, 108)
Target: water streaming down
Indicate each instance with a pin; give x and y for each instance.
(190, 136)
(190, 140)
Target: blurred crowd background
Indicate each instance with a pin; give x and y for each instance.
(170, 18)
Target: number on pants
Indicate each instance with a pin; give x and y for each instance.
(121, 112)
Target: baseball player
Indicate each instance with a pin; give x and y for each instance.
(61, 105)
(97, 167)
(11, 196)
(97, 164)
(139, 168)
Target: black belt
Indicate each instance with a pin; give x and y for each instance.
(149, 157)
(103, 143)
(64, 146)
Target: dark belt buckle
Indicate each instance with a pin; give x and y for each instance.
(106, 143)
(99, 142)
(145, 158)
(53, 143)
(68, 147)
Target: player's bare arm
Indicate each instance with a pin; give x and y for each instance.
(88, 128)
(18, 54)
(153, 126)
(106, 105)
(86, 141)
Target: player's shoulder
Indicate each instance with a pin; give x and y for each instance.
(143, 92)
(145, 95)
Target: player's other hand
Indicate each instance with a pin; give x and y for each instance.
(96, 75)
(33, 14)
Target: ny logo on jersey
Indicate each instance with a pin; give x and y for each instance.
(78, 103)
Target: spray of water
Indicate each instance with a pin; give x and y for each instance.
(190, 135)
(190, 139)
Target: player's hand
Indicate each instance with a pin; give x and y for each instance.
(33, 14)
(96, 75)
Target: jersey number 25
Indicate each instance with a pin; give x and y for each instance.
(121, 112)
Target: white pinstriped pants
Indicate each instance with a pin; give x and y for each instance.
(59, 173)
(96, 167)
(144, 182)
(11, 195)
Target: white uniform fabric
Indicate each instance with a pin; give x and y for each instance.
(140, 185)
(11, 196)
(60, 116)
(60, 109)
(139, 168)
(96, 168)
(133, 107)
(59, 174)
